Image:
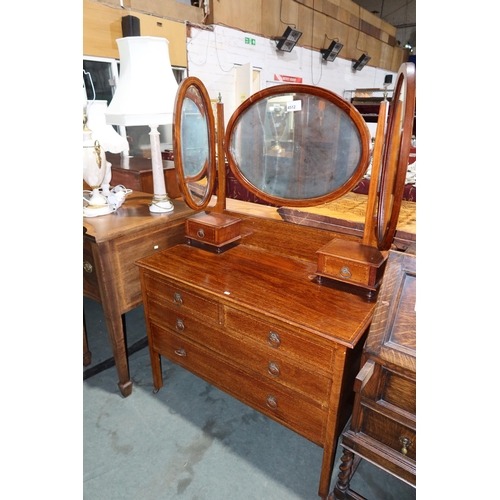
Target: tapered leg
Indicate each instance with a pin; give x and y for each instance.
(87, 355)
(112, 308)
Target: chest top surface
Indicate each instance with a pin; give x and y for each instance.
(269, 285)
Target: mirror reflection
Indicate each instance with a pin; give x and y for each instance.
(296, 146)
(194, 143)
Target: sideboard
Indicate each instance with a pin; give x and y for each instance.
(382, 429)
(111, 244)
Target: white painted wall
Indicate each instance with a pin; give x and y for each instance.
(213, 55)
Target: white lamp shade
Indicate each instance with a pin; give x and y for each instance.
(146, 89)
(108, 138)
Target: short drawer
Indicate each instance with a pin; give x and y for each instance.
(213, 228)
(266, 362)
(389, 432)
(279, 339)
(288, 408)
(179, 299)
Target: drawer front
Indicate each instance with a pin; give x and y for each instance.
(90, 280)
(388, 432)
(267, 363)
(172, 296)
(201, 232)
(344, 269)
(130, 249)
(284, 406)
(276, 339)
(400, 392)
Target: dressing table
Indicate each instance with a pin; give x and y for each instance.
(241, 303)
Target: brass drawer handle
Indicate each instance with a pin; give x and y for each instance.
(406, 442)
(273, 369)
(271, 402)
(345, 272)
(87, 266)
(177, 299)
(180, 352)
(273, 339)
(179, 325)
(200, 233)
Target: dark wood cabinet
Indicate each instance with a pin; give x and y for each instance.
(382, 429)
(136, 173)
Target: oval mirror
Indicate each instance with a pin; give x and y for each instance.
(297, 145)
(396, 150)
(194, 143)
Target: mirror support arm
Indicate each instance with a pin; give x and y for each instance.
(221, 160)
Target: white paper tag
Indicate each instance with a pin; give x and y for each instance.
(294, 106)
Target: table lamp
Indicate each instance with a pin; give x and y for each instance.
(145, 95)
(109, 139)
(94, 167)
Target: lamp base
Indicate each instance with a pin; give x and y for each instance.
(161, 206)
(96, 205)
(93, 211)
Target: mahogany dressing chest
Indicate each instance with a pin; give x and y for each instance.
(240, 303)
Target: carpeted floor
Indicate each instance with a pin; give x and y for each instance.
(191, 440)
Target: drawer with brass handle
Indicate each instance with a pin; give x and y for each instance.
(392, 433)
(173, 296)
(279, 339)
(271, 364)
(278, 402)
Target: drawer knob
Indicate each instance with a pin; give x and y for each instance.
(200, 233)
(273, 339)
(273, 369)
(406, 442)
(178, 299)
(180, 352)
(345, 272)
(87, 266)
(179, 325)
(271, 402)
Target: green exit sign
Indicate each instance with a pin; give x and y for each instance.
(249, 41)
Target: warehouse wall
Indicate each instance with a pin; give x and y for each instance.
(214, 56)
(320, 21)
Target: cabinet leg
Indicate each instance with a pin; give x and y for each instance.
(87, 355)
(114, 326)
(156, 370)
(341, 489)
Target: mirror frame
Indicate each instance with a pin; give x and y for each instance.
(321, 93)
(209, 167)
(395, 156)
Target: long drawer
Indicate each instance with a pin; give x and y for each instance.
(280, 339)
(276, 401)
(264, 360)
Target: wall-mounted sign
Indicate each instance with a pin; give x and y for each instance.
(287, 79)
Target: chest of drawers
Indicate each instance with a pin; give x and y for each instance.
(256, 324)
(383, 424)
